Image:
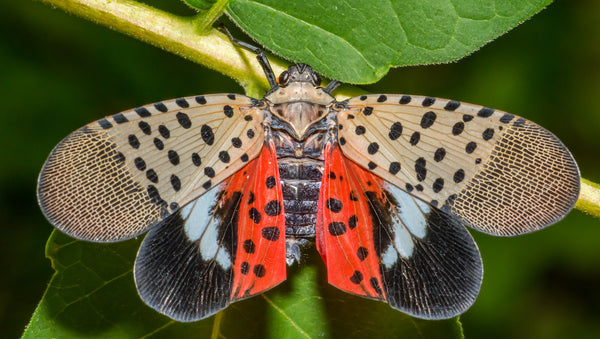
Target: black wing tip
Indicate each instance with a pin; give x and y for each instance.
(443, 277)
(172, 277)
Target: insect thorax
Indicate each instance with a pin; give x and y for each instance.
(299, 101)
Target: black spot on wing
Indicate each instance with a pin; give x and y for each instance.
(452, 105)
(140, 164)
(142, 112)
(120, 118)
(334, 205)
(161, 107)
(209, 172)
(395, 131)
(273, 208)
(228, 110)
(224, 157)
(414, 138)
(200, 99)
(145, 127)
(270, 182)
(420, 169)
(373, 148)
(352, 222)
(458, 128)
(428, 119)
(459, 176)
(173, 157)
(175, 182)
(506, 118)
(259, 270)
(470, 147)
(196, 159)
(336, 228)
(395, 167)
(134, 141)
(362, 253)
(488, 134)
(152, 176)
(485, 112)
(357, 277)
(159, 144)
(255, 215)
(207, 135)
(236, 142)
(181, 102)
(245, 268)
(271, 233)
(105, 124)
(428, 101)
(439, 154)
(249, 246)
(184, 120)
(164, 131)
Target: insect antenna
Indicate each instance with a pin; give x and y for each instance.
(260, 56)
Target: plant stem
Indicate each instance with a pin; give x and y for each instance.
(205, 20)
(589, 198)
(194, 39)
(178, 35)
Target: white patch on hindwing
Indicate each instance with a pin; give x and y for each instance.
(200, 224)
(408, 221)
(412, 212)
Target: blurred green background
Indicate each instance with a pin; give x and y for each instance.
(59, 72)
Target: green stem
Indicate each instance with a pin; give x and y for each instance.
(181, 36)
(205, 20)
(178, 35)
(589, 198)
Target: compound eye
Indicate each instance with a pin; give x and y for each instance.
(316, 79)
(284, 77)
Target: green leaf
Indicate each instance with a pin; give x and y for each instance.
(200, 4)
(358, 41)
(92, 294)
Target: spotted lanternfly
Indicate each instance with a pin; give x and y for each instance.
(383, 183)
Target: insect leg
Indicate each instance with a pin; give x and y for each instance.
(260, 56)
(331, 86)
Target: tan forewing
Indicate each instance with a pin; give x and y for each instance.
(500, 173)
(115, 177)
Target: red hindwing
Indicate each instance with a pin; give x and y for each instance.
(260, 258)
(344, 233)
